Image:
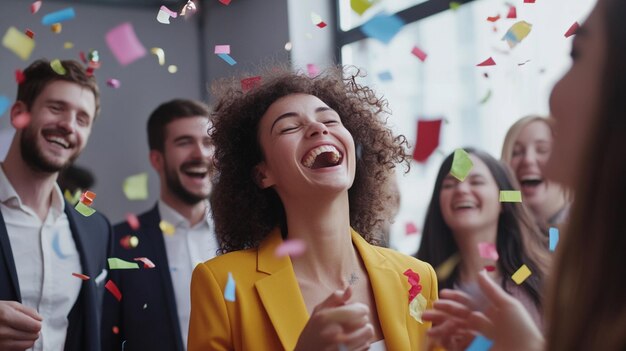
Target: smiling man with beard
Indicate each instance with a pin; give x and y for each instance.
(154, 313)
(43, 239)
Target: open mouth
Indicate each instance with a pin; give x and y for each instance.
(194, 171)
(530, 181)
(322, 157)
(55, 138)
(464, 205)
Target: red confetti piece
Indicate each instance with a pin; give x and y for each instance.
(21, 121)
(113, 290)
(19, 76)
(487, 62)
(411, 228)
(417, 52)
(132, 220)
(248, 84)
(572, 30)
(87, 198)
(116, 330)
(83, 57)
(30, 33)
(427, 139)
(129, 242)
(493, 19)
(35, 6)
(529, 1)
(490, 268)
(512, 12)
(414, 280)
(291, 247)
(146, 262)
(321, 24)
(81, 276)
(225, 2)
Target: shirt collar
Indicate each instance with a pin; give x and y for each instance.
(174, 218)
(9, 196)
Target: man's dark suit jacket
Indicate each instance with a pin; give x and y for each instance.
(92, 236)
(146, 316)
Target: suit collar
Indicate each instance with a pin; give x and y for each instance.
(9, 263)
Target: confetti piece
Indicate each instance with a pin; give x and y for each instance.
(529, 1)
(360, 6)
(222, 49)
(417, 307)
(510, 196)
(523, 63)
(29, 33)
(385, 76)
(115, 330)
(445, 269)
(5, 103)
(81, 276)
(417, 52)
(167, 228)
(382, 27)
(129, 242)
(112, 288)
(485, 98)
(87, 197)
(554, 238)
(19, 77)
(21, 121)
(145, 305)
(315, 18)
(189, 8)
(518, 32)
(136, 187)
(57, 67)
(56, 246)
(58, 16)
(427, 139)
(160, 54)
(68, 45)
(521, 274)
(164, 15)
(488, 251)
(414, 281)
(18, 42)
(312, 70)
(512, 12)
(146, 262)
(113, 83)
(84, 210)
(487, 62)
(321, 24)
(288, 46)
(172, 69)
(225, 2)
(493, 19)
(410, 228)
(290, 247)
(56, 28)
(454, 5)
(490, 268)
(572, 30)
(228, 59)
(461, 164)
(229, 291)
(72, 199)
(132, 220)
(116, 263)
(480, 343)
(35, 6)
(250, 83)
(124, 44)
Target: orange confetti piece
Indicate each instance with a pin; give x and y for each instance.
(113, 289)
(146, 262)
(572, 30)
(81, 276)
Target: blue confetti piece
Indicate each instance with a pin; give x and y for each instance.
(480, 343)
(56, 246)
(5, 103)
(228, 59)
(385, 76)
(382, 27)
(58, 16)
(554, 238)
(229, 291)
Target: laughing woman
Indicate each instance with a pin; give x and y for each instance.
(308, 159)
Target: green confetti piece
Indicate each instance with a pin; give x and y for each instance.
(136, 187)
(116, 263)
(461, 164)
(84, 209)
(455, 5)
(510, 196)
(58, 67)
(360, 6)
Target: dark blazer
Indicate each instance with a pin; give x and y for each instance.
(146, 316)
(92, 236)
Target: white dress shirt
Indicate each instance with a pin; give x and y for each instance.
(45, 257)
(187, 247)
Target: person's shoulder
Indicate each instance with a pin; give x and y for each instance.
(240, 260)
(402, 261)
(149, 217)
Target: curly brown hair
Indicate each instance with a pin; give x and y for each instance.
(244, 213)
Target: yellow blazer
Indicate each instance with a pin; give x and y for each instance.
(269, 312)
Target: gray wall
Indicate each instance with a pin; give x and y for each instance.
(255, 29)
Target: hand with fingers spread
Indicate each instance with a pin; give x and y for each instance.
(336, 322)
(19, 326)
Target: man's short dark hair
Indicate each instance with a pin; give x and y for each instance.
(168, 112)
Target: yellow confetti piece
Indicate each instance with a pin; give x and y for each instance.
(360, 6)
(521, 274)
(58, 67)
(68, 45)
(56, 28)
(167, 228)
(160, 54)
(21, 44)
(518, 32)
(116, 263)
(445, 269)
(461, 164)
(84, 209)
(172, 69)
(72, 199)
(136, 187)
(510, 196)
(417, 306)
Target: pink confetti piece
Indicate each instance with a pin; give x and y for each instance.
(414, 280)
(312, 70)
(35, 6)
(488, 251)
(419, 53)
(529, 1)
(164, 15)
(146, 262)
(81, 276)
(487, 62)
(512, 12)
(132, 220)
(113, 289)
(225, 2)
(321, 24)
(124, 44)
(290, 247)
(572, 30)
(113, 83)
(222, 49)
(411, 228)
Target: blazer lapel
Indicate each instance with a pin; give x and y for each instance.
(9, 264)
(388, 287)
(280, 292)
